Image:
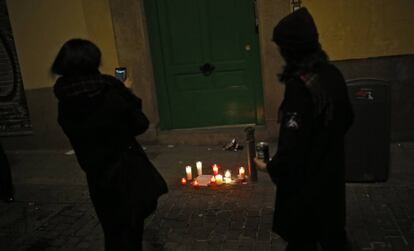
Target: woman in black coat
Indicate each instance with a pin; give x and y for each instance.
(308, 168)
(101, 117)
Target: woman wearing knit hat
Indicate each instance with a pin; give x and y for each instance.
(308, 167)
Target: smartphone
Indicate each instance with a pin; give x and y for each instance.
(121, 73)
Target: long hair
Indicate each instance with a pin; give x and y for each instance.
(301, 61)
(77, 57)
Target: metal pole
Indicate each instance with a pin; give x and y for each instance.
(251, 153)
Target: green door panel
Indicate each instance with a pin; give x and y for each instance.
(227, 31)
(180, 31)
(187, 34)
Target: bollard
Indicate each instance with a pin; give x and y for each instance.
(251, 153)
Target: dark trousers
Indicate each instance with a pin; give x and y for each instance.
(122, 225)
(316, 246)
(123, 236)
(338, 243)
(6, 186)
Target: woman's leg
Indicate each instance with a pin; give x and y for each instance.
(6, 185)
(301, 245)
(336, 241)
(122, 227)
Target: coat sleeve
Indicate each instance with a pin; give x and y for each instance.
(294, 136)
(138, 123)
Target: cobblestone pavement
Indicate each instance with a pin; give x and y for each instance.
(53, 211)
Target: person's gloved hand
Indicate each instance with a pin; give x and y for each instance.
(128, 83)
(260, 165)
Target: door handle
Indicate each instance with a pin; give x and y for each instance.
(207, 69)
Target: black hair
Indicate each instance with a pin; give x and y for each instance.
(77, 57)
(301, 61)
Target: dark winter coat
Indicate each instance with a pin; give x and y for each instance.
(101, 118)
(308, 167)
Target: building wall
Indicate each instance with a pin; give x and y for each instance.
(134, 53)
(358, 35)
(373, 39)
(351, 29)
(41, 27)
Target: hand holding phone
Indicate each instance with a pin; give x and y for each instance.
(121, 73)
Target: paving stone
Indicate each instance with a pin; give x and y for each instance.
(230, 245)
(262, 246)
(380, 216)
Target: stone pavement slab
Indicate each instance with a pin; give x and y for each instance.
(53, 210)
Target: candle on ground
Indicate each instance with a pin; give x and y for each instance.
(227, 177)
(188, 173)
(215, 169)
(242, 172)
(227, 174)
(195, 183)
(213, 180)
(183, 181)
(219, 179)
(199, 165)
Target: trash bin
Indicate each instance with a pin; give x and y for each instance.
(367, 143)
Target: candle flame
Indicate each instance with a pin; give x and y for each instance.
(242, 171)
(215, 169)
(183, 181)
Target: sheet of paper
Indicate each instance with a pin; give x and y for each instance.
(204, 180)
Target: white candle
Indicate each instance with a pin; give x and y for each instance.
(242, 172)
(227, 177)
(188, 173)
(227, 174)
(219, 179)
(199, 165)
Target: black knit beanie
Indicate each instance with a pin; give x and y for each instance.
(297, 31)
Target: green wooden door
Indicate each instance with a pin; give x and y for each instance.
(206, 59)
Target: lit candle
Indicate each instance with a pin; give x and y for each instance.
(195, 183)
(213, 180)
(183, 181)
(227, 174)
(215, 169)
(188, 173)
(219, 179)
(227, 177)
(242, 172)
(199, 165)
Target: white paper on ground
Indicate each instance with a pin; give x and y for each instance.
(70, 152)
(204, 180)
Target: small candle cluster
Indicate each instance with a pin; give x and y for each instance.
(216, 178)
